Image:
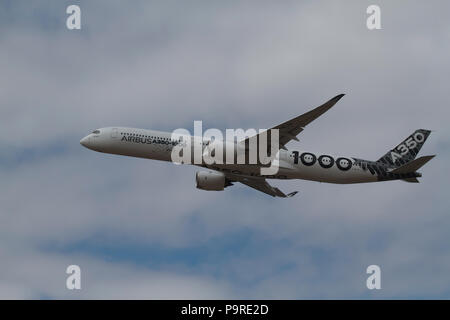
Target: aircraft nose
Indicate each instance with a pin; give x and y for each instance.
(85, 142)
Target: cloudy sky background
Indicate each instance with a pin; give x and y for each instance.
(140, 229)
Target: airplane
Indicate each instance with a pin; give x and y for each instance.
(399, 163)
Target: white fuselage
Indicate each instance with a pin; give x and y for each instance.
(292, 164)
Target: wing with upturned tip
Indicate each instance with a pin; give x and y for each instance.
(290, 129)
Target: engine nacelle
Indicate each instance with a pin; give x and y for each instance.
(210, 180)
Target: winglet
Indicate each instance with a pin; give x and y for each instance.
(291, 194)
(338, 97)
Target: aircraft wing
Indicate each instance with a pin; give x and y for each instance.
(262, 185)
(290, 129)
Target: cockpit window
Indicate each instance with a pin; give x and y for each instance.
(96, 131)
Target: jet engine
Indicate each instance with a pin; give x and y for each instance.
(211, 180)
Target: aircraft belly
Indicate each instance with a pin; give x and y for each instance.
(331, 175)
(141, 150)
(238, 169)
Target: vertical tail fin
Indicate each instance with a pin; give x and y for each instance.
(407, 150)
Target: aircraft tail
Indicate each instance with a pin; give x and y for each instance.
(407, 150)
(411, 167)
(414, 165)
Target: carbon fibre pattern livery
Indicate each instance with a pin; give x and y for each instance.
(383, 171)
(407, 150)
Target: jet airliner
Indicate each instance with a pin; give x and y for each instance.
(400, 163)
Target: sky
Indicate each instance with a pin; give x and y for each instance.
(140, 229)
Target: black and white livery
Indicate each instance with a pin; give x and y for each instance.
(400, 163)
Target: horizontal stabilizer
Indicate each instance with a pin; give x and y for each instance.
(414, 165)
(413, 179)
